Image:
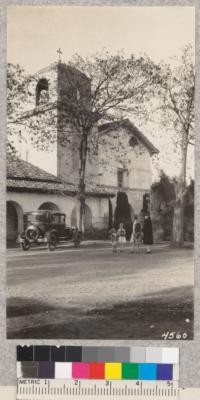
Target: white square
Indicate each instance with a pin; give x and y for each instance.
(19, 370)
(63, 370)
(176, 372)
(170, 355)
(154, 355)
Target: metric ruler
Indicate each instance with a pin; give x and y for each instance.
(53, 389)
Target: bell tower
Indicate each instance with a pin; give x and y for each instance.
(49, 121)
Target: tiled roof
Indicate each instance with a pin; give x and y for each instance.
(126, 123)
(26, 185)
(23, 176)
(20, 169)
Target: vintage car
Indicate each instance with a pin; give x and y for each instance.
(45, 226)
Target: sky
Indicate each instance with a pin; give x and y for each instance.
(34, 34)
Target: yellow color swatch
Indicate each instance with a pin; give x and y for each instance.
(113, 371)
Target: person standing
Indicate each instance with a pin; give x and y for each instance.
(136, 236)
(147, 233)
(121, 234)
(113, 235)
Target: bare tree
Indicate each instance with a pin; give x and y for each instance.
(176, 91)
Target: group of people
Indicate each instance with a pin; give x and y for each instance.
(141, 233)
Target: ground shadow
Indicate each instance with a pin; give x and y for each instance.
(145, 318)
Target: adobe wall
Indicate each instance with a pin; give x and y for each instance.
(116, 153)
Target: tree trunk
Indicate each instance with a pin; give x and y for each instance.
(178, 225)
(81, 189)
(82, 213)
(180, 190)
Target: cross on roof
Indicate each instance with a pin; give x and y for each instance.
(59, 54)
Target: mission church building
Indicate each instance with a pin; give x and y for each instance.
(47, 178)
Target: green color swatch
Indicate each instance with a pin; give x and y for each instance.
(130, 371)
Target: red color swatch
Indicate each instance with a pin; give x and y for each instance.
(97, 371)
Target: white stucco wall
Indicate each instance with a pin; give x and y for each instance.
(116, 153)
(100, 211)
(32, 201)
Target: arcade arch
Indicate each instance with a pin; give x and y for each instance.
(49, 206)
(14, 219)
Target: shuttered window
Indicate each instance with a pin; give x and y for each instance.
(120, 178)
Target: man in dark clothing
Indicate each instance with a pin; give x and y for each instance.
(147, 233)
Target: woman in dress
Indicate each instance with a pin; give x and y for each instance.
(147, 233)
(121, 234)
(136, 237)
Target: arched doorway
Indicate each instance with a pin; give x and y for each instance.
(14, 220)
(49, 206)
(123, 213)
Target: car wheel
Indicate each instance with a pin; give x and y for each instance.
(32, 233)
(25, 245)
(52, 242)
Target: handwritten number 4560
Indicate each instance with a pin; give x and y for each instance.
(174, 335)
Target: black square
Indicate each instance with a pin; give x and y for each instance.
(74, 353)
(57, 353)
(24, 353)
(41, 353)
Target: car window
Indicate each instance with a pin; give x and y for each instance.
(55, 219)
(62, 219)
(35, 218)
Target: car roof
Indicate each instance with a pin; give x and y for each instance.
(43, 212)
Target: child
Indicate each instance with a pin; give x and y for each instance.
(113, 234)
(121, 234)
(136, 236)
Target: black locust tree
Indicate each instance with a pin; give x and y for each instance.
(176, 90)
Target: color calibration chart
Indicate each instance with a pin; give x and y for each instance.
(88, 372)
